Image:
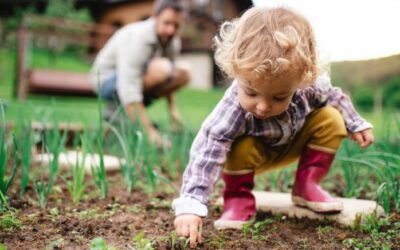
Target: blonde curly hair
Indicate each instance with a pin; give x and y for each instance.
(266, 43)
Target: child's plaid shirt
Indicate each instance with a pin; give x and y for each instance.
(229, 120)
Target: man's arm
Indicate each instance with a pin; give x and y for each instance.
(132, 52)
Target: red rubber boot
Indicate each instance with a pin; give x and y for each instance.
(239, 202)
(313, 167)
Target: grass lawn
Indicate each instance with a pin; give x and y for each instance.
(195, 105)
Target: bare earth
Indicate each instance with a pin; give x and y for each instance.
(121, 216)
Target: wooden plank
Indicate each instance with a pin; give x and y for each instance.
(354, 211)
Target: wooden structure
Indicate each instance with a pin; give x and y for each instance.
(55, 34)
(201, 23)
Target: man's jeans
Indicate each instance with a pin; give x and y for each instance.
(108, 90)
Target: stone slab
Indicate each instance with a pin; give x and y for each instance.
(70, 158)
(354, 210)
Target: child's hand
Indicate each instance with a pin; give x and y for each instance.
(363, 138)
(189, 225)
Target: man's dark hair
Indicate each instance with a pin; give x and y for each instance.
(161, 5)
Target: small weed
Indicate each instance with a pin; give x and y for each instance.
(89, 214)
(135, 208)
(54, 212)
(173, 239)
(353, 243)
(160, 203)
(369, 223)
(255, 229)
(142, 243)
(373, 223)
(56, 244)
(377, 238)
(304, 244)
(77, 236)
(179, 242)
(114, 207)
(9, 222)
(99, 243)
(216, 242)
(322, 230)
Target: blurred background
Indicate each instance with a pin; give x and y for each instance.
(40, 37)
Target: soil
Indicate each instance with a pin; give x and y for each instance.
(122, 215)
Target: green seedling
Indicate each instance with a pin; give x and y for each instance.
(99, 173)
(142, 243)
(179, 242)
(99, 243)
(255, 228)
(304, 243)
(56, 244)
(132, 162)
(5, 182)
(383, 167)
(379, 162)
(323, 230)
(381, 234)
(9, 222)
(373, 223)
(55, 144)
(54, 214)
(76, 186)
(89, 214)
(26, 141)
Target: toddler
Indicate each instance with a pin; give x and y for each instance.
(279, 109)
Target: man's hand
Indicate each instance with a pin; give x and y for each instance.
(189, 225)
(152, 133)
(363, 138)
(177, 122)
(157, 139)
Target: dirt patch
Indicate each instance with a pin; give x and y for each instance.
(121, 216)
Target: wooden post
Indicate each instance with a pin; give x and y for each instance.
(21, 67)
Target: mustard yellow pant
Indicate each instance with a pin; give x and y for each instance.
(324, 129)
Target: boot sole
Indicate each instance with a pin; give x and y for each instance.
(229, 224)
(319, 207)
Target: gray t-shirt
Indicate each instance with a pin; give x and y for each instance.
(126, 53)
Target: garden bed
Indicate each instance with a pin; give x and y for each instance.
(135, 220)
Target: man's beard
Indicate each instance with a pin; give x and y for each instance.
(165, 40)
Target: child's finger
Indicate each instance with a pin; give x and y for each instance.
(200, 231)
(369, 138)
(358, 138)
(199, 239)
(193, 235)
